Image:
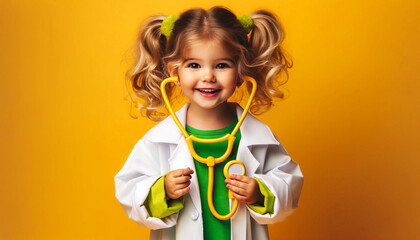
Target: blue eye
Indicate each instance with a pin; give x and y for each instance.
(222, 65)
(193, 65)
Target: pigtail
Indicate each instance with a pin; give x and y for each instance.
(267, 60)
(148, 71)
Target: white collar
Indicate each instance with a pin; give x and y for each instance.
(253, 131)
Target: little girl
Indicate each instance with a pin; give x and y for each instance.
(161, 186)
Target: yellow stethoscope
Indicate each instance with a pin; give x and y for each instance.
(211, 161)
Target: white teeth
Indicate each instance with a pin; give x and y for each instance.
(208, 90)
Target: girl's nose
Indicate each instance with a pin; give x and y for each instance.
(208, 76)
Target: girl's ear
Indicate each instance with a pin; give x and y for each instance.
(172, 70)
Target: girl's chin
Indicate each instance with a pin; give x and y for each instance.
(210, 106)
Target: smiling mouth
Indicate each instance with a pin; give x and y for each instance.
(208, 91)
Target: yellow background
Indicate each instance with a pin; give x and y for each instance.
(351, 120)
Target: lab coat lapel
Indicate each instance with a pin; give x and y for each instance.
(180, 156)
(253, 133)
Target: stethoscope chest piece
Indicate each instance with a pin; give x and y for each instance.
(233, 167)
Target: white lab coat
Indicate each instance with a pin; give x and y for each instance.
(164, 149)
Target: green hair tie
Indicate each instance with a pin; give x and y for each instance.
(168, 24)
(246, 22)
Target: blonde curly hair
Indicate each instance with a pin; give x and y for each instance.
(258, 54)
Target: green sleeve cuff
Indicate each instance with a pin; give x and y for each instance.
(156, 203)
(268, 200)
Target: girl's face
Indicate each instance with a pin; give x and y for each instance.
(207, 74)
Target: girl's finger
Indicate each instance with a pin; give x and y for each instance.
(182, 179)
(238, 184)
(182, 185)
(237, 190)
(240, 197)
(240, 178)
(183, 172)
(182, 192)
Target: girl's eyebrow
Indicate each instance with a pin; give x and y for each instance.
(190, 59)
(226, 59)
(219, 59)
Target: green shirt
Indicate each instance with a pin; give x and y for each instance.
(214, 228)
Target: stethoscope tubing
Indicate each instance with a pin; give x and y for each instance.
(211, 161)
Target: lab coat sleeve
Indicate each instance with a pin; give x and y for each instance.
(284, 179)
(269, 198)
(156, 203)
(141, 170)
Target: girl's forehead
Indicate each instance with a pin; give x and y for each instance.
(206, 47)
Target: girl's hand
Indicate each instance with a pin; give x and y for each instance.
(245, 189)
(177, 182)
